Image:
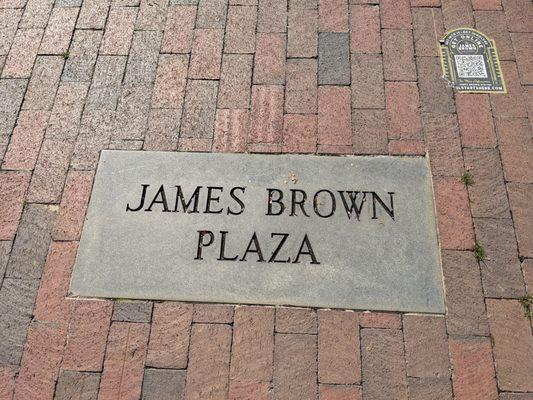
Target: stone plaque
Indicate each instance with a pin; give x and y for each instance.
(470, 62)
(339, 232)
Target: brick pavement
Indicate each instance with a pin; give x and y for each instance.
(275, 76)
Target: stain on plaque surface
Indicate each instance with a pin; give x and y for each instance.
(470, 62)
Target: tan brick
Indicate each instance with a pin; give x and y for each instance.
(152, 15)
(163, 130)
(267, 114)
(295, 367)
(14, 186)
(334, 116)
(253, 344)
(487, 4)
(231, 130)
(87, 335)
(240, 29)
(302, 39)
(119, 31)
(124, 361)
(43, 84)
(206, 54)
(430, 389)
(8, 28)
(93, 14)
(211, 14)
(383, 364)
(428, 29)
(269, 61)
(209, 354)
(179, 29)
(58, 33)
(163, 384)
(169, 88)
(169, 338)
(77, 385)
(365, 33)
(195, 144)
(338, 347)
(473, 376)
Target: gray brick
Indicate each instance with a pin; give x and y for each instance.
(132, 311)
(68, 3)
(199, 111)
(211, 14)
(43, 83)
(5, 249)
(125, 3)
(31, 243)
(93, 14)
(17, 298)
(436, 96)
(163, 384)
(133, 112)
(9, 20)
(83, 52)
(36, 14)
(163, 129)
(236, 80)
(64, 121)
(142, 62)
(77, 385)
(184, 2)
(11, 95)
(306, 4)
(152, 15)
(333, 58)
(107, 79)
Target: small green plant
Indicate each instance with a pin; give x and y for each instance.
(479, 252)
(527, 302)
(467, 179)
(66, 55)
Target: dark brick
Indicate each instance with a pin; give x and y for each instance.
(132, 311)
(296, 320)
(198, 119)
(143, 57)
(436, 96)
(82, 56)
(369, 131)
(272, 16)
(333, 58)
(211, 14)
(163, 384)
(77, 385)
(521, 198)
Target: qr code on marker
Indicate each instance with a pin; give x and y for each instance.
(470, 66)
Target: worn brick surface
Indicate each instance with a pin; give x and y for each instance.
(444, 144)
(369, 131)
(494, 25)
(57, 35)
(520, 197)
(435, 94)
(199, 109)
(14, 185)
(235, 81)
(267, 114)
(302, 38)
(369, 319)
(77, 385)
(163, 384)
(512, 104)
(8, 375)
(83, 51)
(269, 63)
(22, 54)
(272, 16)
(169, 337)
(402, 109)
(206, 54)
(132, 311)
(211, 14)
(231, 130)
(301, 87)
(296, 320)
(213, 313)
(367, 81)
(398, 55)
(43, 83)
(473, 111)
(428, 29)
(169, 88)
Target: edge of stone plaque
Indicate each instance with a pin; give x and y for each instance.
(438, 308)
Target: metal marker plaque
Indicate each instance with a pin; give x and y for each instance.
(340, 232)
(470, 62)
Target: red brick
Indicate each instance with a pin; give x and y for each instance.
(240, 29)
(73, 205)
(296, 320)
(263, 147)
(436, 96)
(179, 29)
(207, 375)
(119, 31)
(169, 338)
(269, 61)
(426, 348)
(407, 147)
(444, 144)
(398, 55)
(464, 295)
(124, 361)
(194, 144)
(334, 116)
(457, 13)
(475, 120)
(50, 171)
(523, 49)
(231, 131)
(369, 131)
(337, 392)
(367, 81)
(295, 367)
(485, 167)
(333, 16)
(253, 344)
(206, 54)
(235, 81)
(473, 376)
(14, 186)
(516, 396)
(250, 390)
(169, 88)
(454, 220)
(513, 131)
(513, 345)
(519, 15)
(380, 320)
(302, 38)
(365, 33)
(93, 14)
(517, 162)
(383, 362)
(8, 374)
(511, 104)
(211, 14)
(39, 367)
(87, 336)
(402, 110)
(58, 33)
(527, 270)
(521, 198)
(51, 305)
(299, 133)
(67, 110)
(487, 4)
(161, 134)
(19, 62)
(334, 149)
(338, 347)
(494, 25)
(213, 313)
(26, 140)
(301, 87)
(267, 114)
(428, 29)
(395, 14)
(272, 16)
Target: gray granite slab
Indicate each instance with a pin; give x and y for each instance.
(383, 260)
